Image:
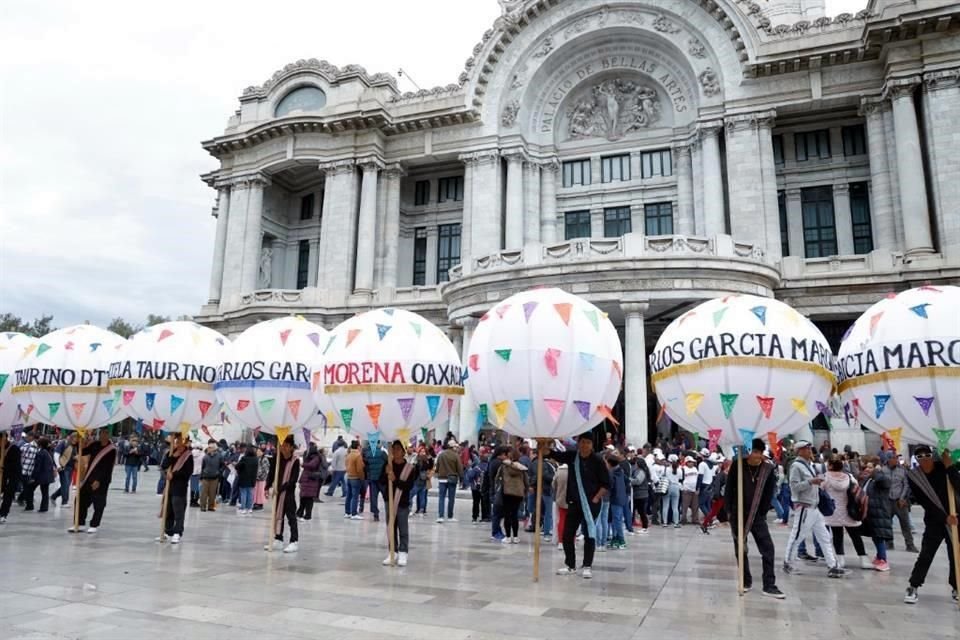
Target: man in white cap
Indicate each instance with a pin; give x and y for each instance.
(706, 471)
(805, 492)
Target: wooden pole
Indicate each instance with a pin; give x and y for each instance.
(166, 497)
(276, 497)
(391, 518)
(741, 521)
(952, 506)
(541, 449)
(81, 471)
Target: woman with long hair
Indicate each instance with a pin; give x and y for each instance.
(514, 478)
(640, 482)
(671, 500)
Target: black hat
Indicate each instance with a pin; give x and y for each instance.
(922, 448)
(758, 445)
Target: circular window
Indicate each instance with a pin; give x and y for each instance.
(302, 99)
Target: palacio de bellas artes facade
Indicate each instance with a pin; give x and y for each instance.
(645, 154)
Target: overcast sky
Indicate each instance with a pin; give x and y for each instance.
(103, 105)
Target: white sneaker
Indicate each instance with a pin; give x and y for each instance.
(515, 540)
(566, 571)
(451, 519)
(175, 539)
(386, 562)
(346, 516)
(587, 573)
(356, 517)
(276, 545)
(3, 521)
(644, 532)
(560, 547)
(866, 564)
(74, 529)
(293, 547)
(91, 529)
(402, 559)
(439, 520)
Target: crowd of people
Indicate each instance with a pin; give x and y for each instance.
(600, 497)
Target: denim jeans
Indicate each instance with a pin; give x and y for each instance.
(547, 515)
(354, 487)
(131, 479)
(706, 498)
(671, 501)
(374, 487)
(246, 498)
(448, 492)
(781, 512)
(603, 523)
(338, 481)
(64, 490)
(495, 516)
(420, 489)
(618, 513)
(881, 546)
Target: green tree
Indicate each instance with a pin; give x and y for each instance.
(154, 319)
(122, 328)
(39, 327)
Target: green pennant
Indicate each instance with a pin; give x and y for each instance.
(423, 434)
(266, 405)
(728, 400)
(503, 353)
(592, 317)
(416, 328)
(943, 437)
(53, 407)
(42, 349)
(3, 380)
(333, 337)
(955, 455)
(347, 416)
(718, 316)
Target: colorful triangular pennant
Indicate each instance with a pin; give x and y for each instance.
(284, 335)
(761, 313)
(433, 405)
(148, 399)
(501, 310)
(3, 380)
(417, 328)
(592, 317)
(728, 401)
(204, 407)
(528, 308)
(503, 353)
(500, 411)
(523, 409)
(473, 361)
(800, 406)
(874, 321)
(583, 407)
(382, 330)
(52, 408)
(550, 359)
(943, 437)
(925, 404)
(314, 338)
(482, 415)
(294, 407)
(42, 348)
(563, 308)
(352, 335)
(881, 401)
(242, 404)
(373, 410)
(347, 416)
(718, 316)
(607, 413)
(329, 342)
(166, 333)
(266, 404)
(175, 402)
(78, 408)
(920, 309)
(692, 402)
(128, 396)
(406, 408)
(586, 361)
(554, 406)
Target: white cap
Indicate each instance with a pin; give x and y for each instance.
(672, 457)
(658, 456)
(610, 447)
(714, 457)
(689, 459)
(704, 452)
(658, 452)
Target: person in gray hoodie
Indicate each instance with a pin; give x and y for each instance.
(805, 493)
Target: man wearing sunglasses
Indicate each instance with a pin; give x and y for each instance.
(928, 484)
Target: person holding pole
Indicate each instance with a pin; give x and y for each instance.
(759, 483)
(928, 485)
(286, 500)
(400, 477)
(95, 472)
(10, 472)
(179, 469)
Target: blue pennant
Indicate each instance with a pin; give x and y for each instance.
(761, 313)
(382, 330)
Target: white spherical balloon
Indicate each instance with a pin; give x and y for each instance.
(545, 364)
(391, 373)
(65, 378)
(742, 366)
(164, 375)
(264, 381)
(899, 366)
(13, 347)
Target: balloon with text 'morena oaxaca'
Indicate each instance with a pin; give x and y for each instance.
(64, 377)
(164, 375)
(740, 367)
(899, 368)
(264, 381)
(544, 363)
(389, 374)
(14, 347)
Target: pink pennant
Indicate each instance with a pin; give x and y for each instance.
(874, 321)
(284, 335)
(555, 407)
(607, 413)
(450, 406)
(158, 423)
(316, 380)
(766, 405)
(502, 309)
(69, 346)
(242, 404)
(206, 431)
(713, 439)
(166, 333)
(294, 406)
(618, 369)
(78, 409)
(128, 397)
(550, 358)
(204, 407)
(474, 361)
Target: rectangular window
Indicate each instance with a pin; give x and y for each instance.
(576, 224)
(448, 250)
(450, 189)
(419, 256)
(614, 168)
(812, 145)
(576, 172)
(784, 229)
(860, 213)
(303, 264)
(854, 140)
(306, 206)
(658, 219)
(421, 192)
(656, 163)
(616, 222)
(778, 149)
(819, 228)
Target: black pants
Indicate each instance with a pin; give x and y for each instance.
(575, 518)
(31, 488)
(761, 536)
(477, 501)
(289, 511)
(306, 508)
(9, 489)
(176, 509)
(640, 509)
(96, 498)
(933, 535)
(511, 515)
(854, 536)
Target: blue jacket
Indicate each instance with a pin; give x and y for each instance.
(619, 493)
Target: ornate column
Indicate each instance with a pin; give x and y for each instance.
(548, 201)
(468, 413)
(433, 234)
(531, 202)
(391, 228)
(338, 232)
(485, 219)
(515, 161)
(768, 168)
(635, 374)
(367, 225)
(795, 224)
(713, 211)
(753, 210)
(236, 229)
(466, 221)
(696, 164)
(222, 213)
(881, 196)
(455, 334)
(842, 220)
(942, 98)
(253, 234)
(313, 263)
(915, 210)
(685, 217)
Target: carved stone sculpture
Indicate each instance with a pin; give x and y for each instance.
(614, 108)
(265, 277)
(509, 115)
(709, 82)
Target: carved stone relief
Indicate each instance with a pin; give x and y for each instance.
(545, 47)
(509, 115)
(696, 48)
(614, 108)
(709, 82)
(265, 275)
(663, 25)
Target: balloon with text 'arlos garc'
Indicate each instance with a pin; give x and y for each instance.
(164, 375)
(740, 367)
(14, 347)
(65, 378)
(264, 381)
(899, 367)
(389, 373)
(544, 364)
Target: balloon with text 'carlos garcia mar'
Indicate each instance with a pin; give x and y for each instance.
(264, 381)
(164, 375)
(544, 363)
(389, 373)
(64, 378)
(14, 347)
(740, 367)
(899, 368)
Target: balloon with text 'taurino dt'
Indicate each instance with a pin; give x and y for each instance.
(389, 374)
(264, 381)
(64, 377)
(740, 367)
(899, 367)
(544, 364)
(164, 375)
(13, 348)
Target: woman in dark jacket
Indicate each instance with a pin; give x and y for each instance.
(310, 481)
(246, 469)
(43, 472)
(879, 521)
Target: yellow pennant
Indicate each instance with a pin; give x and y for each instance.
(693, 401)
(800, 406)
(896, 436)
(500, 408)
(403, 435)
(282, 433)
(184, 428)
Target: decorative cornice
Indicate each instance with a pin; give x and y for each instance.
(336, 167)
(709, 128)
(873, 106)
(514, 155)
(794, 193)
(634, 308)
(331, 73)
(841, 189)
(944, 79)
(394, 170)
(551, 163)
(480, 157)
(371, 163)
(754, 120)
(245, 181)
(896, 88)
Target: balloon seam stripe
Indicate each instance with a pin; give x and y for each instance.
(148, 382)
(923, 372)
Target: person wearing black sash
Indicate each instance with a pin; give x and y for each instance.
(95, 472)
(286, 498)
(178, 465)
(10, 482)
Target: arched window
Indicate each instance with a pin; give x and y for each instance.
(301, 99)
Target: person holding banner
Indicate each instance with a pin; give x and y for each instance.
(179, 469)
(10, 481)
(928, 485)
(95, 471)
(289, 473)
(401, 475)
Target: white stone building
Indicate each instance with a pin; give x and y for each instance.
(646, 154)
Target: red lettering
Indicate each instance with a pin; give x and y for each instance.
(381, 372)
(397, 377)
(342, 373)
(354, 377)
(330, 374)
(367, 368)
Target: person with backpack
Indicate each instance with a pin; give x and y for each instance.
(805, 492)
(845, 491)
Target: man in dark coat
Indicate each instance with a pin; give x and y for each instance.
(178, 467)
(11, 478)
(96, 471)
(286, 499)
(759, 483)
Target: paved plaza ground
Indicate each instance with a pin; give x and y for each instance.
(220, 584)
